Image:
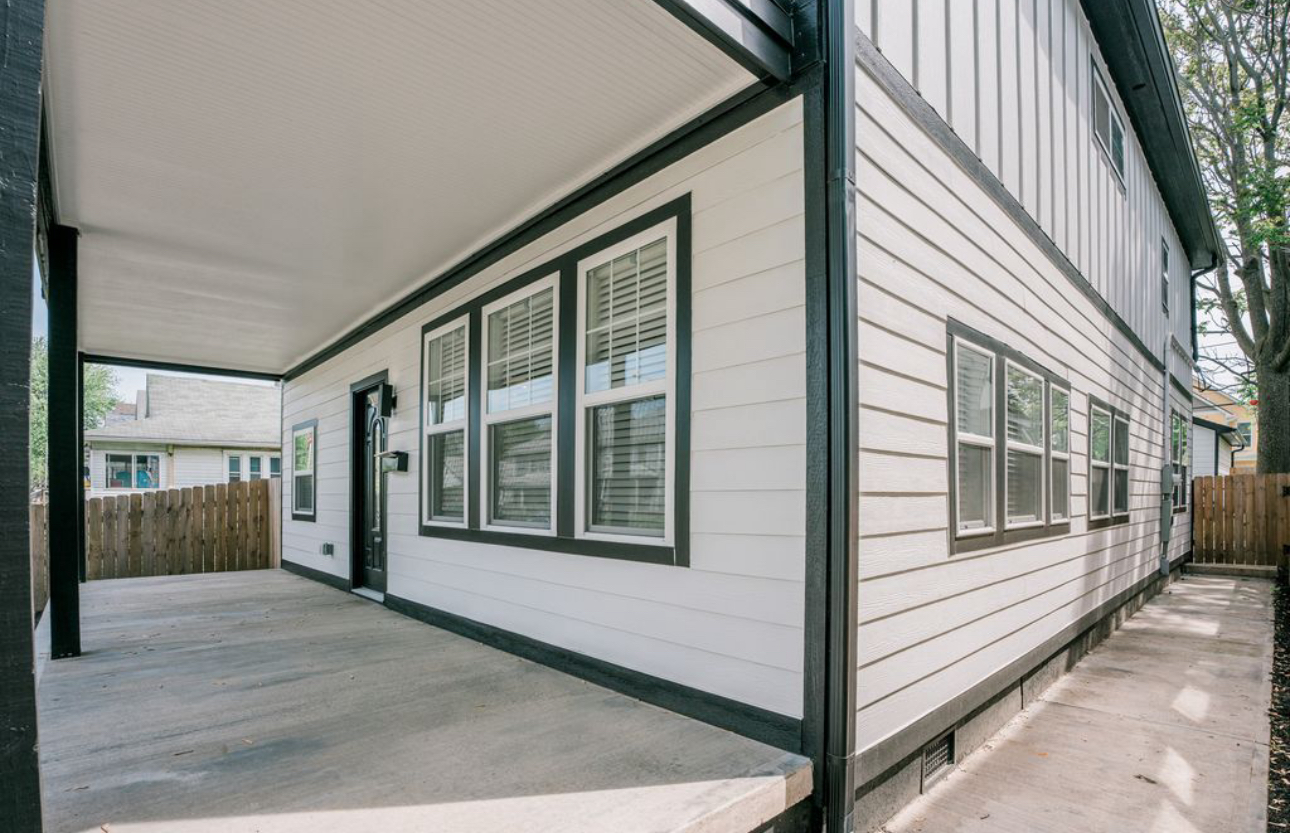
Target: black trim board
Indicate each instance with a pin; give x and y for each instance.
(768, 727)
(149, 364)
(757, 35)
(731, 114)
(882, 759)
(334, 581)
(566, 266)
(311, 517)
(63, 451)
(23, 30)
(903, 93)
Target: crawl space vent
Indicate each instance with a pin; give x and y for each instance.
(937, 757)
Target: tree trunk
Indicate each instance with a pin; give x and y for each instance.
(1274, 420)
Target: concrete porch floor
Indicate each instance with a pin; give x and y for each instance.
(1161, 729)
(261, 701)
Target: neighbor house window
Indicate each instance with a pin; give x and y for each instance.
(275, 467)
(519, 413)
(234, 468)
(254, 471)
(304, 438)
(624, 398)
(1179, 461)
(1059, 438)
(1108, 464)
(555, 411)
(445, 424)
(1164, 276)
(1246, 430)
(133, 471)
(1010, 441)
(1107, 126)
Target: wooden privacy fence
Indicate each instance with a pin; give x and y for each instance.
(1241, 519)
(39, 557)
(203, 529)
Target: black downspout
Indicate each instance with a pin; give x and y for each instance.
(64, 453)
(21, 34)
(838, 24)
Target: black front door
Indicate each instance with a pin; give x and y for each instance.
(371, 492)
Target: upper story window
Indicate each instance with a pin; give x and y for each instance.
(1010, 441)
(304, 485)
(1164, 276)
(445, 386)
(1107, 125)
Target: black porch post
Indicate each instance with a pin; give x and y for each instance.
(64, 450)
(21, 28)
(80, 464)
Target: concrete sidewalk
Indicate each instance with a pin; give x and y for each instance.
(1161, 729)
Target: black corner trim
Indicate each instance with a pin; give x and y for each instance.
(895, 85)
(756, 35)
(311, 517)
(337, 582)
(736, 111)
(880, 761)
(565, 265)
(766, 726)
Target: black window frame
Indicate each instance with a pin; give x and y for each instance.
(1002, 356)
(565, 538)
(1180, 444)
(311, 517)
(1165, 283)
(1112, 518)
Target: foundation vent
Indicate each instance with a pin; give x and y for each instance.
(938, 756)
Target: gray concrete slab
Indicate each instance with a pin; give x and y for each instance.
(263, 702)
(1161, 729)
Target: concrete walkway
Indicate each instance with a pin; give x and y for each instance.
(260, 702)
(1161, 729)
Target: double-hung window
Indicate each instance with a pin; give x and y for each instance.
(519, 407)
(445, 386)
(1107, 126)
(1164, 276)
(1010, 444)
(1059, 445)
(1179, 461)
(304, 439)
(234, 468)
(625, 399)
(1109, 486)
(974, 437)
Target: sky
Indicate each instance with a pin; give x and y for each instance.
(129, 379)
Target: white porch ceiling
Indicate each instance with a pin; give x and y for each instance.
(251, 179)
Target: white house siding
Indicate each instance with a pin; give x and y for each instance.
(199, 466)
(932, 246)
(1202, 452)
(730, 624)
(1012, 78)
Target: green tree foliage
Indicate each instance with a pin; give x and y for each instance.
(99, 400)
(1233, 59)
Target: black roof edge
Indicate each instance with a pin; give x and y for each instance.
(1133, 45)
(1217, 428)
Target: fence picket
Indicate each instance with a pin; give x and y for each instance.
(1242, 519)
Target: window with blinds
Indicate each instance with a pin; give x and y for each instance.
(1099, 476)
(519, 418)
(445, 424)
(624, 409)
(1120, 456)
(1107, 126)
(1024, 482)
(974, 415)
(1059, 439)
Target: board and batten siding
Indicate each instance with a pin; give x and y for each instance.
(1012, 78)
(933, 245)
(730, 624)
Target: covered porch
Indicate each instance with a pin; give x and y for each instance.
(264, 701)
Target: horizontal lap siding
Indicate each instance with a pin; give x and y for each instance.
(932, 246)
(731, 624)
(1011, 78)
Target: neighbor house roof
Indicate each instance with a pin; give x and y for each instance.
(186, 411)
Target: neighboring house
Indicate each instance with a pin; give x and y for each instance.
(186, 432)
(670, 432)
(1218, 407)
(1215, 447)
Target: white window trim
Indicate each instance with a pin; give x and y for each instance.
(462, 424)
(1054, 454)
(1125, 466)
(244, 464)
(1025, 448)
(312, 511)
(976, 440)
(665, 386)
(1094, 463)
(550, 407)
